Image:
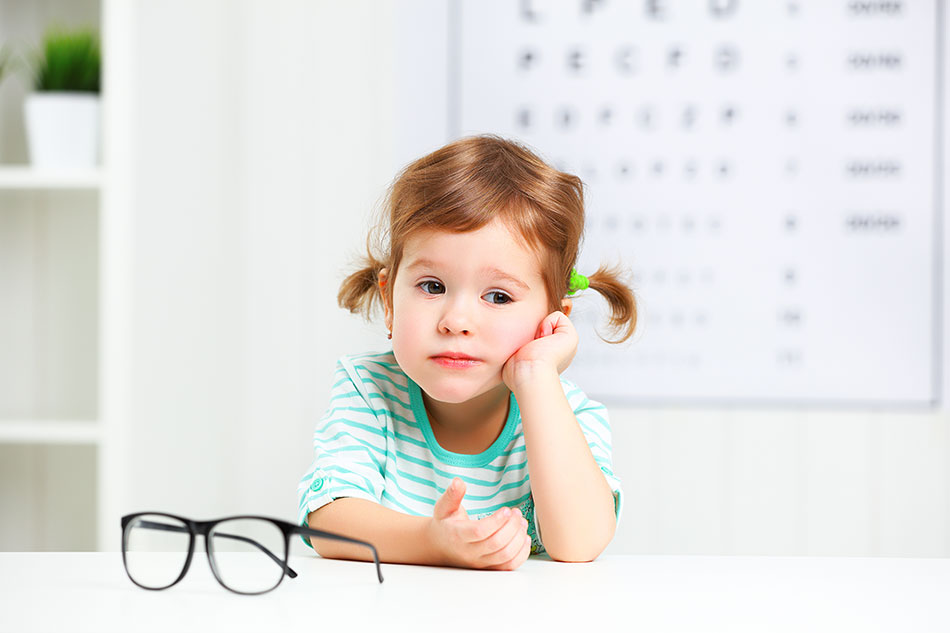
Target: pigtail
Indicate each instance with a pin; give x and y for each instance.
(359, 292)
(621, 300)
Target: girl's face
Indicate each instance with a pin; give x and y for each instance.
(463, 303)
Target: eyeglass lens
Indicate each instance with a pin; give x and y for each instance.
(248, 554)
(156, 548)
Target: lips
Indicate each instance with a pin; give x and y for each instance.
(455, 360)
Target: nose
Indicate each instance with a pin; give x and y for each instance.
(455, 319)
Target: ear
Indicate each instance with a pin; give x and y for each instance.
(383, 279)
(566, 305)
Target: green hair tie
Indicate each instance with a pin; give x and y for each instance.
(577, 282)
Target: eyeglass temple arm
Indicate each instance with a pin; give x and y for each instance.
(178, 528)
(336, 537)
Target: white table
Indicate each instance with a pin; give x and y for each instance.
(90, 592)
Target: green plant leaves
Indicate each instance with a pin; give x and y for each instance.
(4, 62)
(68, 62)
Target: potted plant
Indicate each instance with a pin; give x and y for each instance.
(4, 62)
(62, 114)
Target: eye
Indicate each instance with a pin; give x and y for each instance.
(431, 287)
(498, 298)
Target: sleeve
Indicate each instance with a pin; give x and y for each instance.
(594, 422)
(349, 447)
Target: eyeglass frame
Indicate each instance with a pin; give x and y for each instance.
(204, 528)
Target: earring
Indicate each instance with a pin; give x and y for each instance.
(390, 335)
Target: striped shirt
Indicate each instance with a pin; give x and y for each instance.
(375, 443)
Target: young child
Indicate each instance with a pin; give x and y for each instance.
(463, 446)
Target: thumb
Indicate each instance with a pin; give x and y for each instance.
(450, 500)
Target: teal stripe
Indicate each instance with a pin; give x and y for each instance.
(441, 491)
(341, 491)
(411, 477)
(506, 504)
(596, 438)
(375, 412)
(346, 468)
(380, 362)
(387, 379)
(497, 469)
(354, 423)
(575, 392)
(370, 487)
(374, 354)
(367, 381)
(384, 395)
(593, 411)
(439, 471)
(361, 447)
(388, 496)
(411, 495)
(514, 484)
(405, 438)
(350, 436)
(592, 445)
(409, 440)
(334, 487)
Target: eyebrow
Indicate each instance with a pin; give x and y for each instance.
(492, 271)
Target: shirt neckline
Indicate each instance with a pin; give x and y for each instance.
(463, 459)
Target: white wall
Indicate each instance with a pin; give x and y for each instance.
(263, 137)
(257, 156)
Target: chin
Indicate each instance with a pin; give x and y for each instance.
(455, 389)
(451, 394)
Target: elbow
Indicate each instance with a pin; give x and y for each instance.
(324, 547)
(574, 555)
(582, 550)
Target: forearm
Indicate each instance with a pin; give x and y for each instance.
(573, 502)
(397, 537)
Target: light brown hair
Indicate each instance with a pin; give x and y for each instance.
(464, 186)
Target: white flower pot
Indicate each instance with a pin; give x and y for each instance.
(62, 129)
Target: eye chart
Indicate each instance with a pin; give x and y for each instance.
(767, 170)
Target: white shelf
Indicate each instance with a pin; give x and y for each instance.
(25, 177)
(50, 432)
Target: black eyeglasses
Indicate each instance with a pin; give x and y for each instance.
(247, 554)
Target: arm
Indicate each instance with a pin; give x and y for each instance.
(573, 502)
(499, 541)
(398, 537)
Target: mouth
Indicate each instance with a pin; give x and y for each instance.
(455, 360)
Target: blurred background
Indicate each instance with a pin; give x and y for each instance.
(771, 173)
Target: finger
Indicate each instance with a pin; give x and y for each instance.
(559, 322)
(476, 531)
(545, 328)
(518, 559)
(503, 544)
(450, 500)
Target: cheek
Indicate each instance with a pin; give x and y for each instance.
(510, 338)
(407, 332)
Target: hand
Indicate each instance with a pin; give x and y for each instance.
(552, 349)
(499, 541)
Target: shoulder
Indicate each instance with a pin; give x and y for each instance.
(377, 371)
(578, 399)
